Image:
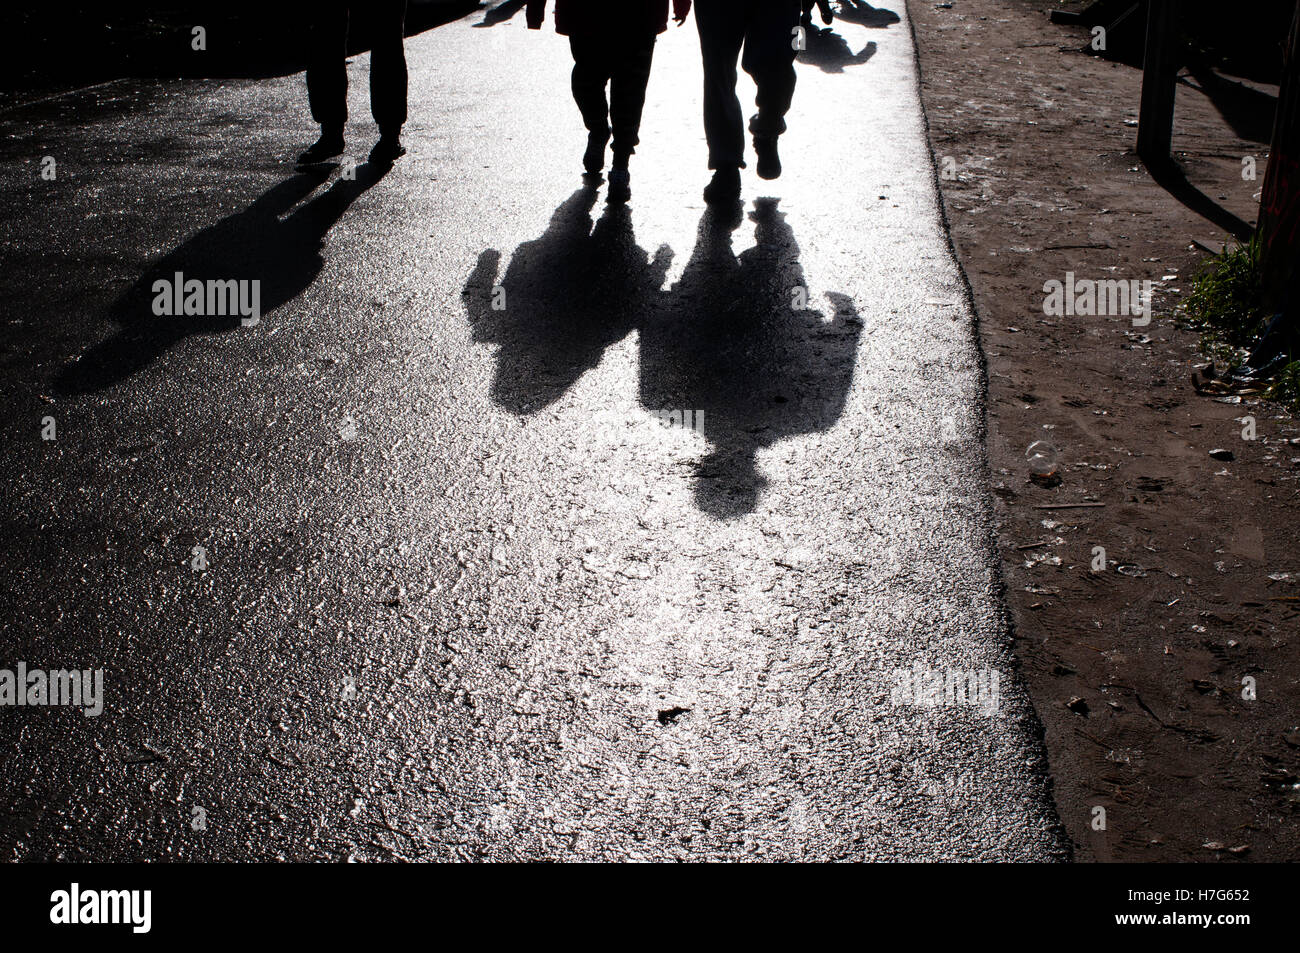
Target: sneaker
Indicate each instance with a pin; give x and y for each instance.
(769, 160)
(620, 186)
(329, 145)
(593, 160)
(387, 150)
(725, 186)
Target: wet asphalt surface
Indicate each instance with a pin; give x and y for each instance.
(465, 596)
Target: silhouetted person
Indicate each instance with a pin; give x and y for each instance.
(613, 44)
(327, 75)
(824, 6)
(766, 29)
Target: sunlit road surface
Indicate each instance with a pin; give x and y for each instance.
(524, 527)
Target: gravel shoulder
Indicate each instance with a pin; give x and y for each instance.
(1137, 670)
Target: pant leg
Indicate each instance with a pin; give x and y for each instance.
(627, 86)
(769, 59)
(722, 31)
(591, 70)
(388, 64)
(327, 70)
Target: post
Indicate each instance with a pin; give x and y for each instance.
(1279, 208)
(1159, 83)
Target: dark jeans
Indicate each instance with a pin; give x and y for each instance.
(327, 74)
(624, 64)
(765, 28)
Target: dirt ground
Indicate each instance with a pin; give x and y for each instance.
(1138, 670)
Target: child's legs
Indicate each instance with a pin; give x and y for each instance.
(590, 74)
(632, 61)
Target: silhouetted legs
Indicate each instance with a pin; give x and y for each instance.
(823, 5)
(765, 29)
(622, 64)
(327, 76)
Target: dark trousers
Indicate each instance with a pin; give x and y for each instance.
(622, 63)
(327, 73)
(765, 29)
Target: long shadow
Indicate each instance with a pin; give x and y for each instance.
(864, 14)
(263, 243)
(501, 13)
(831, 52)
(1248, 111)
(1171, 177)
(735, 339)
(564, 299)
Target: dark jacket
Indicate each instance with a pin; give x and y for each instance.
(588, 17)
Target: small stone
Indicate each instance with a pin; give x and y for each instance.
(670, 715)
(1222, 454)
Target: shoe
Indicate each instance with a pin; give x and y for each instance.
(769, 160)
(388, 149)
(329, 145)
(593, 160)
(620, 186)
(725, 186)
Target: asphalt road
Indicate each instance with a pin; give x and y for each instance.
(462, 594)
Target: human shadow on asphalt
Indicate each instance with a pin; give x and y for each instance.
(501, 13)
(564, 298)
(831, 52)
(736, 339)
(264, 242)
(864, 14)
(733, 344)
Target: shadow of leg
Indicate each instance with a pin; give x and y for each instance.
(563, 300)
(260, 247)
(738, 344)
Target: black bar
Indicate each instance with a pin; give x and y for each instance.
(384, 903)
